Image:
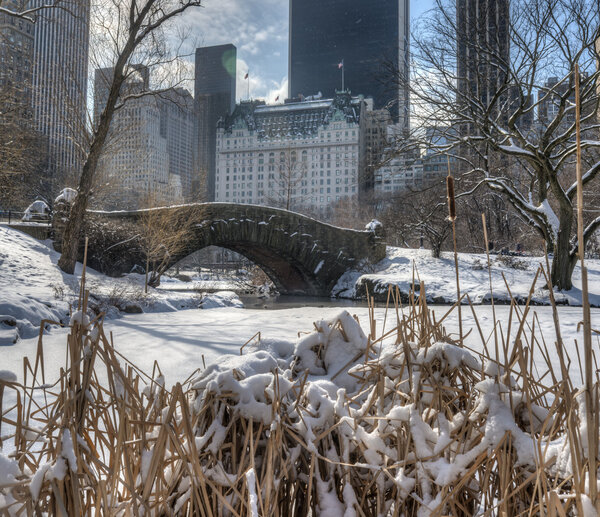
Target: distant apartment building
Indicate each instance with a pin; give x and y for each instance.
(414, 169)
(214, 97)
(549, 101)
(177, 123)
(368, 40)
(437, 163)
(376, 128)
(302, 156)
(148, 155)
(16, 64)
(399, 174)
(61, 42)
(137, 80)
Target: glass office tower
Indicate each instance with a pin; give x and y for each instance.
(364, 36)
(214, 98)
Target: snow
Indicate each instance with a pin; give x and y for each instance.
(9, 471)
(553, 221)
(220, 299)
(37, 208)
(319, 266)
(67, 195)
(252, 497)
(7, 376)
(33, 288)
(402, 267)
(373, 226)
(326, 346)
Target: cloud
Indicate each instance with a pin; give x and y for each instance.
(260, 87)
(257, 84)
(280, 90)
(259, 30)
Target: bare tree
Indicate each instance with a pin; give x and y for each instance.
(351, 212)
(486, 82)
(412, 215)
(163, 235)
(131, 31)
(21, 170)
(26, 11)
(287, 178)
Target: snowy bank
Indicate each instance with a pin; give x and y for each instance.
(33, 289)
(220, 299)
(403, 268)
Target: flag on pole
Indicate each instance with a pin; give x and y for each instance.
(276, 98)
(341, 64)
(246, 76)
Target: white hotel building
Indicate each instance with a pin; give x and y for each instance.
(301, 155)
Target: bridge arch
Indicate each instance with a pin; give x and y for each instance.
(301, 255)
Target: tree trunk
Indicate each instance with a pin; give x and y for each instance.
(72, 233)
(562, 268)
(436, 249)
(70, 244)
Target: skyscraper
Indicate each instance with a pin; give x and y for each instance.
(177, 126)
(328, 37)
(214, 98)
(60, 83)
(148, 154)
(483, 48)
(16, 64)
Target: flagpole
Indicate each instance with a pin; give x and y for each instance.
(342, 75)
(248, 75)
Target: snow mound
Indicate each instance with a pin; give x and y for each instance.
(9, 472)
(399, 408)
(67, 195)
(221, 299)
(37, 210)
(373, 226)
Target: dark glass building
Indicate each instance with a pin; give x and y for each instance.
(483, 48)
(364, 36)
(214, 96)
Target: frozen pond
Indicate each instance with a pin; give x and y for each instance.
(183, 341)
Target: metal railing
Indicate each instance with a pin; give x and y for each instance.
(15, 216)
(11, 216)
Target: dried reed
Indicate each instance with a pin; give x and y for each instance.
(418, 436)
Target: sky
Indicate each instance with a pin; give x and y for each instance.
(259, 30)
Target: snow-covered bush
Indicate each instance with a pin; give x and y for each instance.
(37, 211)
(336, 424)
(67, 195)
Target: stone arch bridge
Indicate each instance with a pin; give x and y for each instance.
(301, 255)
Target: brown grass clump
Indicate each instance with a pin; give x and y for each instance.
(422, 426)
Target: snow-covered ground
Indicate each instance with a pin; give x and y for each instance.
(183, 341)
(32, 288)
(402, 267)
(212, 341)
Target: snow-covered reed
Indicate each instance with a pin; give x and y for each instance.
(397, 422)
